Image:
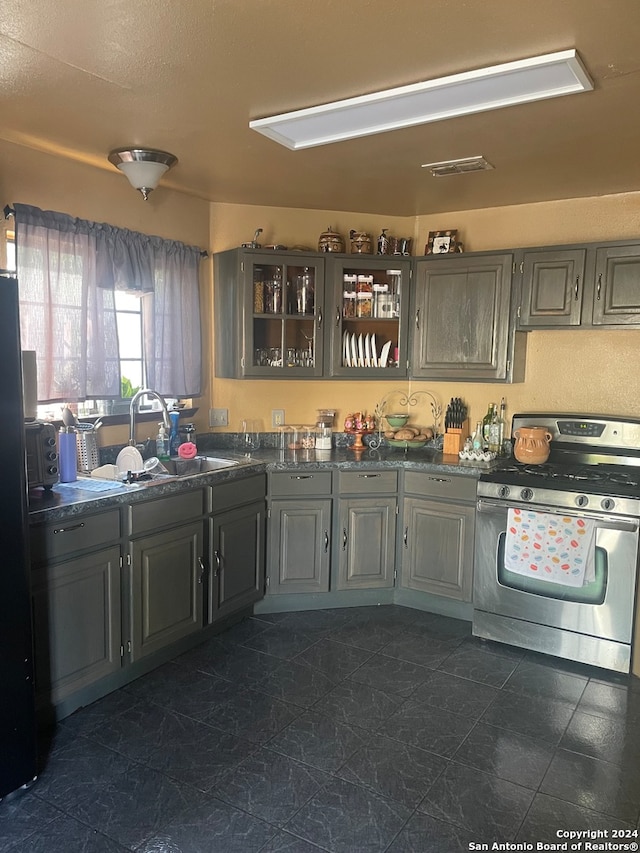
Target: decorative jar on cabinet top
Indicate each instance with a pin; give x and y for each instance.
(532, 445)
(330, 241)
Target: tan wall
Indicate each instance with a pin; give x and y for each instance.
(594, 371)
(104, 195)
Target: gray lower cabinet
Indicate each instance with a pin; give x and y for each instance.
(77, 618)
(463, 323)
(366, 529)
(236, 546)
(299, 548)
(438, 534)
(166, 577)
(165, 571)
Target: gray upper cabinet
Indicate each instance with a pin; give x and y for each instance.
(552, 288)
(281, 315)
(463, 320)
(616, 298)
(367, 313)
(268, 314)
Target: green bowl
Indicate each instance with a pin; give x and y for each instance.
(397, 420)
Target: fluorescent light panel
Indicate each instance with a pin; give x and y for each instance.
(519, 82)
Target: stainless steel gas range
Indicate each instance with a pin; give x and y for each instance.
(556, 551)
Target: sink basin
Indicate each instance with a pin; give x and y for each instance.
(199, 465)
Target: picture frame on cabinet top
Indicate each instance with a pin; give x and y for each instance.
(442, 242)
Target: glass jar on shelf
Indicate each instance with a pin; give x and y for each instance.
(273, 292)
(258, 290)
(364, 296)
(394, 278)
(349, 296)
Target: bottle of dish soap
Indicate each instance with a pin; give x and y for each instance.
(174, 435)
(162, 445)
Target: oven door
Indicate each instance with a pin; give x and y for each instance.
(603, 608)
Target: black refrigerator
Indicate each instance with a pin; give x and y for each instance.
(17, 702)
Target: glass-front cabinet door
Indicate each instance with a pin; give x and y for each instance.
(283, 311)
(367, 311)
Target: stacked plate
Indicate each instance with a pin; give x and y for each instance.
(361, 351)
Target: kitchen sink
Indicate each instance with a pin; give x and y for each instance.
(199, 465)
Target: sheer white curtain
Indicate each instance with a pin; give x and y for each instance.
(67, 271)
(64, 316)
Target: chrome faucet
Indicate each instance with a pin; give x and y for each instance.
(146, 392)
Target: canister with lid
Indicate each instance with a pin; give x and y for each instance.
(364, 297)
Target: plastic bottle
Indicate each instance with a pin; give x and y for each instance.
(162, 446)
(68, 454)
(174, 435)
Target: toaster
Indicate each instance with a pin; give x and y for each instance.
(42, 455)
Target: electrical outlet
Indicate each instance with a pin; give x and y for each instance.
(277, 417)
(218, 417)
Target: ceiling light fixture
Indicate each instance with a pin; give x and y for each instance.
(519, 82)
(143, 166)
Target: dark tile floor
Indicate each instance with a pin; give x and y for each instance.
(350, 731)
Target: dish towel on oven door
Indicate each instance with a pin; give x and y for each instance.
(555, 548)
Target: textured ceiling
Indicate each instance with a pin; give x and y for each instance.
(79, 77)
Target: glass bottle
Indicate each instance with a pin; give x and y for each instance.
(486, 424)
(501, 426)
(494, 433)
(476, 441)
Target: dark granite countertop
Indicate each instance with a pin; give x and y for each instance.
(64, 501)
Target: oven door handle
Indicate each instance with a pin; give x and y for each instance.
(604, 521)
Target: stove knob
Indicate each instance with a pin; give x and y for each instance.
(608, 503)
(52, 469)
(526, 494)
(50, 442)
(504, 491)
(582, 500)
(51, 456)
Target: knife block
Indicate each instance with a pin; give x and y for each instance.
(454, 439)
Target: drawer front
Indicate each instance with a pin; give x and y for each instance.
(164, 512)
(368, 482)
(436, 485)
(78, 533)
(297, 483)
(237, 493)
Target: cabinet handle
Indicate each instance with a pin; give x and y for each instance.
(577, 287)
(301, 476)
(68, 529)
(440, 479)
(405, 538)
(368, 476)
(326, 541)
(338, 315)
(319, 317)
(218, 560)
(201, 564)
(344, 538)
(418, 319)
(599, 287)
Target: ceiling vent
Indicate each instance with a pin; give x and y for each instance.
(458, 167)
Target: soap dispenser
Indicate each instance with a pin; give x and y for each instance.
(162, 445)
(174, 435)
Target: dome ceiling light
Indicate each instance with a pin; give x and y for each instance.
(143, 166)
